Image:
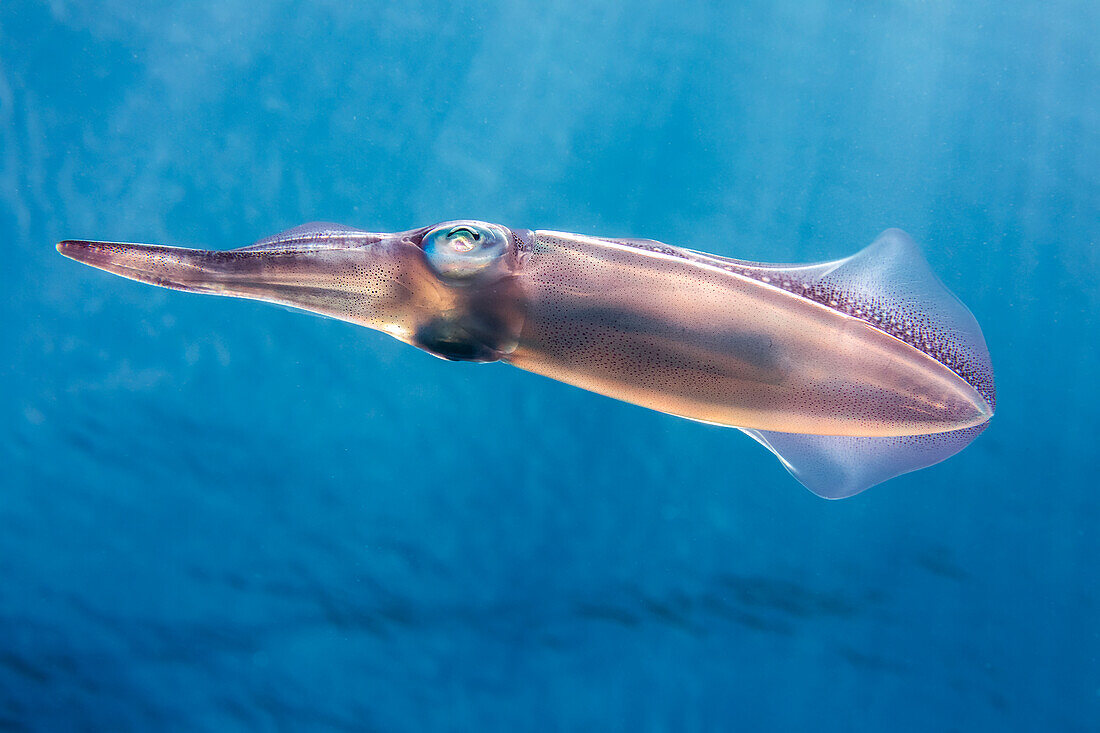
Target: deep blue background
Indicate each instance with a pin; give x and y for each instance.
(217, 514)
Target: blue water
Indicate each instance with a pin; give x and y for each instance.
(221, 515)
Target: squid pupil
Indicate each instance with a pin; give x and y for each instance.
(463, 231)
(463, 238)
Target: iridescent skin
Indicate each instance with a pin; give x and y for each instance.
(673, 330)
(682, 335)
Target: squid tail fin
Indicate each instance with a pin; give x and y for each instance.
(892, 278)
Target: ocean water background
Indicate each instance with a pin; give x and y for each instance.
(221, 515)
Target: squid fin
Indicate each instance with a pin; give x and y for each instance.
(891, 285)
(890, 280)
(835, 467)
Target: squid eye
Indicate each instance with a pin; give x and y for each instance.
(463, 251)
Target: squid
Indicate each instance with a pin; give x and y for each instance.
(851, 371)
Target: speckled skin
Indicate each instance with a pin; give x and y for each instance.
(765, 347)
(683, 334)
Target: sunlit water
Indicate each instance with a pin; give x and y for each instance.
(222, 515)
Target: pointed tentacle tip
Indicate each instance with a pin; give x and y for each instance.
(71, 248)
(82, 250)
(134, 261)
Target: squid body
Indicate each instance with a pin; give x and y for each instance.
(851, 371)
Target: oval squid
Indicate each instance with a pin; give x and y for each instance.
(851, 371)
